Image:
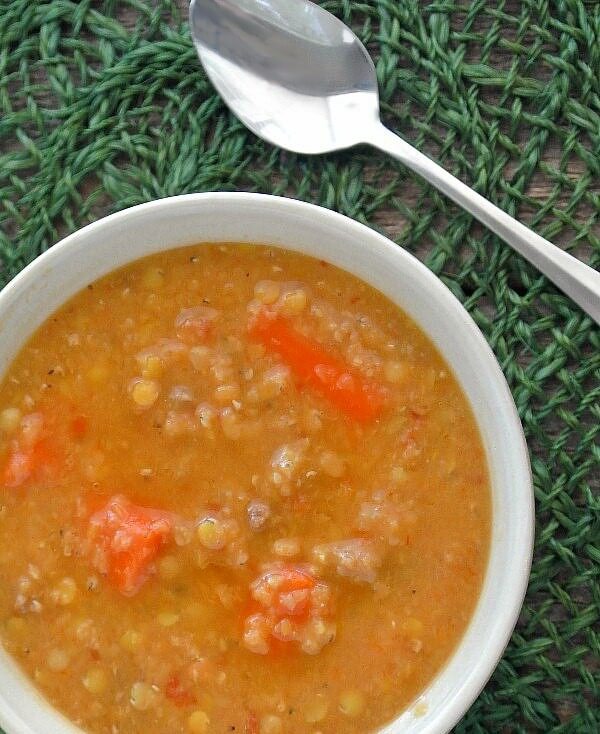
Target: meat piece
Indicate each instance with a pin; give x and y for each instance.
(357, 559)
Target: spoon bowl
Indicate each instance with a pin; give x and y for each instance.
(323, 75)
(298, 77)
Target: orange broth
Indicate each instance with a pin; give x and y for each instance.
(240, 491)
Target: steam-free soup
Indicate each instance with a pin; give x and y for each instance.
(240, 491)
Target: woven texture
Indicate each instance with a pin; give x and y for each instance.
(104, 105)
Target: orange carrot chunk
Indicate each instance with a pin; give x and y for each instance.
(32, 456)
(79, 426)
(124, 539)
(360, 399)
(295, 580)
(275, 592)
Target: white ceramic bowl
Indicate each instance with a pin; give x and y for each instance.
(111, 242)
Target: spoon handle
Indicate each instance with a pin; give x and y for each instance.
(573, 277)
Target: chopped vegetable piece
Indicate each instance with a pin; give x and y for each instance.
(124, 539)
(79, 426)
(284, 591)
(39, 448)
(178, 693)
(289, 605)
(28, 462)
(18, 467)
(360, 399)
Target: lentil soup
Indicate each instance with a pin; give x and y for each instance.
(240, 491)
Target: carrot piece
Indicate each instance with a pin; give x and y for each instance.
(176, 692)
(281, 593)
(279, 584)
(46, 458)
(79, 426)
(36, 461)
(40, 448)
(125, 539)
(360, 399)
(295, 580)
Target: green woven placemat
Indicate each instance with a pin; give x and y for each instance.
(104, 105)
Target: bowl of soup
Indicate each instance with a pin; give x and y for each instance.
(259, 473)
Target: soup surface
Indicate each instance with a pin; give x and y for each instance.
(240, 492)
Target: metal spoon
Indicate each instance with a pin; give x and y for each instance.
(299, 78)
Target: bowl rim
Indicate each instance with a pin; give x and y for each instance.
(472, 685)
